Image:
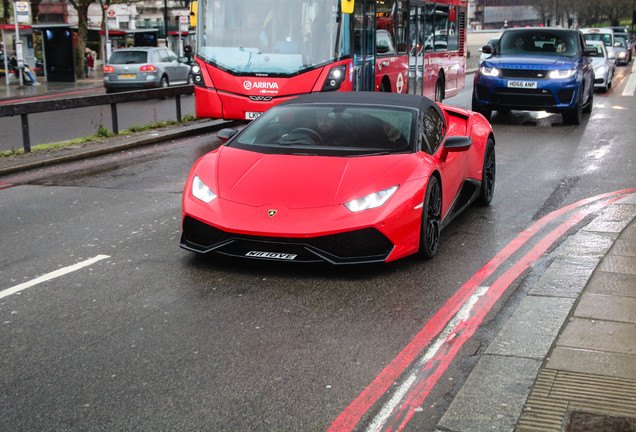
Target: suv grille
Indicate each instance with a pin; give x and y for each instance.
(524, 73)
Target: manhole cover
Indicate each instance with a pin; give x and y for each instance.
(586, 422)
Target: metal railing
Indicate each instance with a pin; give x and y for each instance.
(23, 109)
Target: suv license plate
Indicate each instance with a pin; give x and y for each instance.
(522, 84)
(251, 115)
(127, 76)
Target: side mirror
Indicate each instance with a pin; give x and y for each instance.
(382, 48)
(589, 52)
(486, 49)
(458, 143)
(225, 134)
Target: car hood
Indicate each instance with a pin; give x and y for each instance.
(599, 61)
(258, 179)
(523, 62)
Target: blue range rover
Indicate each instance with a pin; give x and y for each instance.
(536, 69)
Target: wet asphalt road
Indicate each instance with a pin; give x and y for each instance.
(152, 337)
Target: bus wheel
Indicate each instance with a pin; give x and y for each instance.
(385, 85)
(439, 89)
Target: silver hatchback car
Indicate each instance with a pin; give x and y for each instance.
(145, 67)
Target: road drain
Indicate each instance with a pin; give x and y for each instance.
(588, 422)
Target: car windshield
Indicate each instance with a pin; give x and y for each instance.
(606, 38)
(541, 43)
(330, 130)
(128, 57)
(598, 48)
(622, 42)
(282, 37)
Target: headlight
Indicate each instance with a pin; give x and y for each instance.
(621, 54)
(201, 191)
(600, 70)
(562, 74)
(489, 71)
(371, 201)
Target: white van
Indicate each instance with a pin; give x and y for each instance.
(603, 34)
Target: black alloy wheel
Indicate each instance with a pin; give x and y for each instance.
(488, 175)
(431, 219)
(590, 102)
(573, 116)
(439, 89)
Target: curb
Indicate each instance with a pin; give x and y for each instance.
(39, 159)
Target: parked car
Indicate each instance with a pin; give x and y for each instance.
(536, 69)
(339, 177)
(145, 67)
(603, 66)
(491, 42)
(604, 34)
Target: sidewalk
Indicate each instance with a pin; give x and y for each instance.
(15, 91)
(566, 359)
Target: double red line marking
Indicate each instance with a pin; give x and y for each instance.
(436, 366)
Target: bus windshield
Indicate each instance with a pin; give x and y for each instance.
(280, 37)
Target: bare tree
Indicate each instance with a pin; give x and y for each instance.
(81, 6)
(6, 12)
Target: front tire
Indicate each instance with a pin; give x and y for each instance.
(573, 117)
(488, 175)
(476, 108)
(439, 89)
(431, 219)
(590, 103)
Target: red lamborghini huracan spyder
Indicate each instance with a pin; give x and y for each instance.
(339, 177)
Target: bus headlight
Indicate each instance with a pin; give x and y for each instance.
(197, 76)
(335, 78)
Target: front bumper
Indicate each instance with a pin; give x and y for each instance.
(365, 245)
(550, 95)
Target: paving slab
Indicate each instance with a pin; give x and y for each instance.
(609, 336)
(531, 331)
(612, 284)
(593, 362)
(605, 307)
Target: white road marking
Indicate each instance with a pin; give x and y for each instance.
(389, 408)
(52, 275)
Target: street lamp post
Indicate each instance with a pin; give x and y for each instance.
(18, 43)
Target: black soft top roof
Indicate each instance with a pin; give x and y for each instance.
(366, 98)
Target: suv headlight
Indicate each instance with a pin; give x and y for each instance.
(489, 71)
(562, 74)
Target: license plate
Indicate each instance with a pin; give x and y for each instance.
(251, 115)
(522, 84)
(127, 76)
(271, 255)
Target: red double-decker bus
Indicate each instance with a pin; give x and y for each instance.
(253, 54)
